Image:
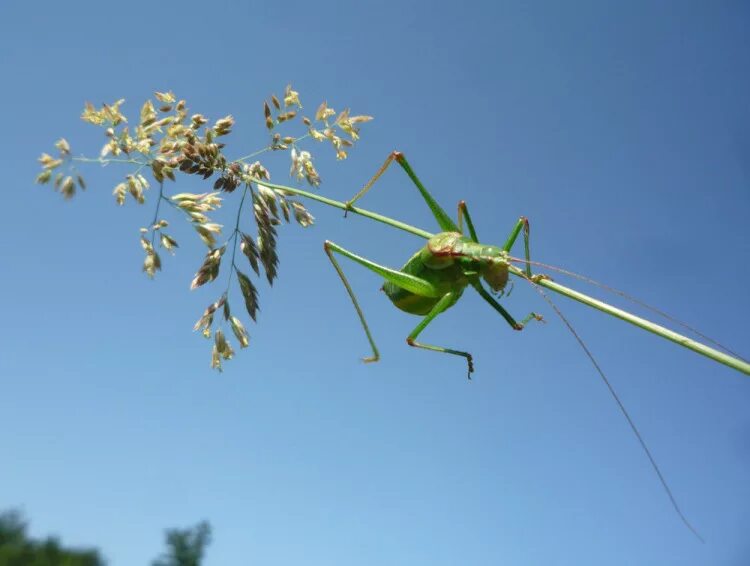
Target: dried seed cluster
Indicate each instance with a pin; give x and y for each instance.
(66, 184)
(167, 141)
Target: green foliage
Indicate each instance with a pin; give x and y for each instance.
(17, 549)
(185, 547)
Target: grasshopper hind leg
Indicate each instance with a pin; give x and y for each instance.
(375, 353)
(405, 281)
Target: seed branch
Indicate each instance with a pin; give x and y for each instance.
(168, 140)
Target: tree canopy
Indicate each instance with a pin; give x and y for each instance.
(18, 549)
(185, 547)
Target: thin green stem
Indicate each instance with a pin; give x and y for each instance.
(106, 160)
(254, 154)
(156, 212)
(234, 237)
(267, 148)
(353, 209)
(652, 327)
(171, 203)
(721, 357)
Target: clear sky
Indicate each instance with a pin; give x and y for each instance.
(621, 129)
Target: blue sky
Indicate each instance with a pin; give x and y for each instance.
(619, 129)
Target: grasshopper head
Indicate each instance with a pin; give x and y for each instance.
(495, 273)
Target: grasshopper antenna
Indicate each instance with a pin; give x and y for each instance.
(624, 411)
(630, 298)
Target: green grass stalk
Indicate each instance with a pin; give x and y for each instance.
(684, 341)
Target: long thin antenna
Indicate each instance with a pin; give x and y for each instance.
(630, 298)
(622, 407)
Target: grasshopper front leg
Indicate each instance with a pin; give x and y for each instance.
(523, 224)
(443, 220)
(464, 216)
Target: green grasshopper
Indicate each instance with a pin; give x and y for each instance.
(435, 277)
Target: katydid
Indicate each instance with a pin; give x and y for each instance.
(435, 277)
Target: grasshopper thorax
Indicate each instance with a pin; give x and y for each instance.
(446, 248)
